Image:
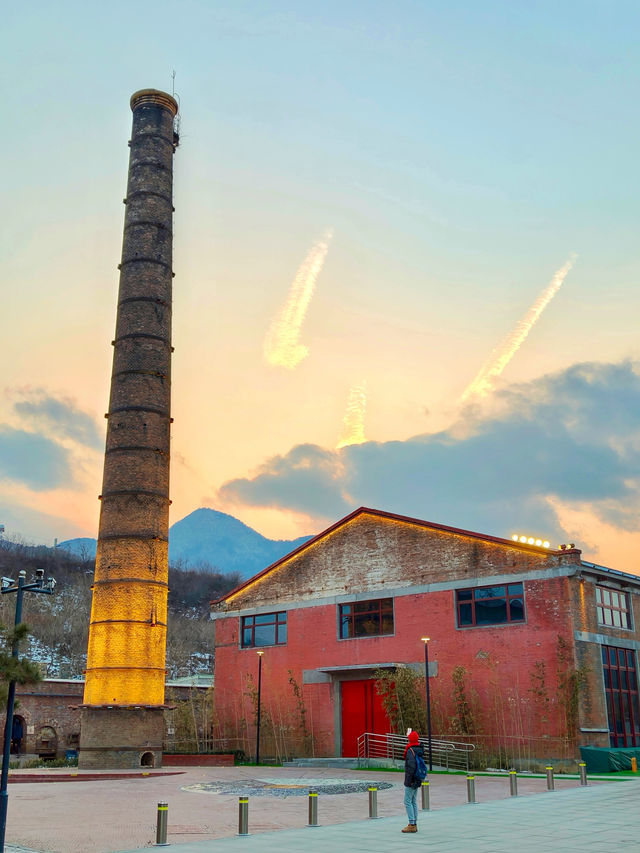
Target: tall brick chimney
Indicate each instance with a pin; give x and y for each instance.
(122, 711)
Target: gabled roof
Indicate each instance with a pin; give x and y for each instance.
(363, 510)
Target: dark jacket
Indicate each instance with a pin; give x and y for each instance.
(410, 767)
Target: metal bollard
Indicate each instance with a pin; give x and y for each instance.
(243, 815)
(313, 808)
(425, 796)
(583, 773)
(513, 783)
(373, 802)
(161, 825)
(634, 764)
(471, 789)
(550, 785)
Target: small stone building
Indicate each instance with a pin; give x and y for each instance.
(532, 650)
(47, 716)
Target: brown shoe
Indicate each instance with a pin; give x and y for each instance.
(410, 827)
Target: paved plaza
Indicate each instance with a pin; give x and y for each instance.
(109, 815)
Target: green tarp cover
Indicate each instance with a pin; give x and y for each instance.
(604, 759)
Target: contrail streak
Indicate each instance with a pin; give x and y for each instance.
(502, 355)
(353, 430)
(282, 347)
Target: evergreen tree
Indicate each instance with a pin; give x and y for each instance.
(16, 669)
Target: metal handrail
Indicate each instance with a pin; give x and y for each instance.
(445, 753)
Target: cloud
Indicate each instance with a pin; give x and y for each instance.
(572, 436)
(282, 347)
(353, 421)
(308, 479)
(61, 417)
(500, 357)
(24, 524)
(33, 460)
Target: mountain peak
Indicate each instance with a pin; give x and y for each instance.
(210, 538)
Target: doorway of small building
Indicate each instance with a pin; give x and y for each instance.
(147, 760)
(18, 730)
(47, 743)
(361, 711)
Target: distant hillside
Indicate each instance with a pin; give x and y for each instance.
(211, 538)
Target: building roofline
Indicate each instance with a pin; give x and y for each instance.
(363, 510)
(614, 574)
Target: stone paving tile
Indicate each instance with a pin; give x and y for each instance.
(530, 825)
(113, 815)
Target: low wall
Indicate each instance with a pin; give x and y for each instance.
(178, 760)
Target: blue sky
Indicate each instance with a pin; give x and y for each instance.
(458, 152)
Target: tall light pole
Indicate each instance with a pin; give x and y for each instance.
(257, 709)
(38, 584)
(426, 640)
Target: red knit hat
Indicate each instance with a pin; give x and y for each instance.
(413, 738)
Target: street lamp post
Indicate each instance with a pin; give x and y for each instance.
(38, 584)
(257, 709)
(425, 640)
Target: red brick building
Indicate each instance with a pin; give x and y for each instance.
(528, 645)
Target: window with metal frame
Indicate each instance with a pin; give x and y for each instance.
(490, 605)
(612, 607)
(621, 691)
(264, 629)
(366, 618)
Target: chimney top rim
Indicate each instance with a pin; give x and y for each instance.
(154, 96)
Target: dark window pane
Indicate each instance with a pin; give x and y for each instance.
(630, 660)
(282, 634)
(632, 682)
(264, 619)
(621, 657)
(611, 710)
(626, 713)
(264, 635)
(516, 610)
(464, 594)
(387, 625)
(488, 592)
(615, 681)
(491, 612)
(246, 637)
(366, 625)
(464, 615)
(607, 678)
(624, 681)
(612, 656)
(366, 618)
(605, 656)
(514, 589)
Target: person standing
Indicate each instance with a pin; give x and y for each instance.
(411, 784)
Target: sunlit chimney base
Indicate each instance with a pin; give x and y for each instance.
(121, 738)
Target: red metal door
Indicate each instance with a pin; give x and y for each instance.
(362, 712)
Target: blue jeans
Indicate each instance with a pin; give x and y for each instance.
(411, 804)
